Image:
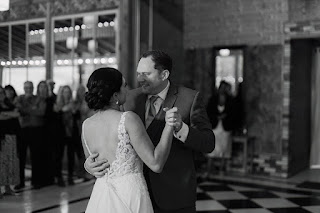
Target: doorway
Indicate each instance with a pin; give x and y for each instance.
(303, 136)
(315, 110)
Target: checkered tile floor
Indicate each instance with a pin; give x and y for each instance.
(220, 194)
(221, 197)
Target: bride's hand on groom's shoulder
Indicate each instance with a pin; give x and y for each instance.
(96, 167)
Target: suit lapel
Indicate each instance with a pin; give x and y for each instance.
(168, 102)
(155, 128)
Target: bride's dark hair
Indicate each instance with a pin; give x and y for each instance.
(102, 84)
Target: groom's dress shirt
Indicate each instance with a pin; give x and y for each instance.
(183, 132)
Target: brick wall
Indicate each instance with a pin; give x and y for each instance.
(304, 10)
(233, 22)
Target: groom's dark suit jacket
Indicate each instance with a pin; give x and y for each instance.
(175, 186)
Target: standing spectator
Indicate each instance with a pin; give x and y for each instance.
(41, 172)
(51, 84)
(32, 110)
(239, 112)
(9, 130)
(66, 108)
(82, 113)
(84, 110)
(220, 112)
(10, 93)
(24, 103)
(53, 132)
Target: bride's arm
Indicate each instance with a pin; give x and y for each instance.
(153, 157)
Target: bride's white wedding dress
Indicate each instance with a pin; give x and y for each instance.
(123, 188)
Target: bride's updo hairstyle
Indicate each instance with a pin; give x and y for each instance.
(102, 84)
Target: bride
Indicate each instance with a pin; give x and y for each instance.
(120, 138)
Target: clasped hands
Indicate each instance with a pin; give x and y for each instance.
(98, 168)
(173, 118)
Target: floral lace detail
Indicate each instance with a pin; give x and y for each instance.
(127, 161)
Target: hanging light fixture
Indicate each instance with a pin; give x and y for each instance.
(4, 5)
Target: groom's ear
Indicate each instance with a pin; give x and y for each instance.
(165, 74)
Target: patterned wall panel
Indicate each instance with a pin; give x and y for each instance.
(304, 10)
(199, 72)
(234, 22)
(263, 79)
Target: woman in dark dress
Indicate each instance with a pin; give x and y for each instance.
(9, 131)
(66, 107)
(220, 111)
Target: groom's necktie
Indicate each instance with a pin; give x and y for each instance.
(152, 110)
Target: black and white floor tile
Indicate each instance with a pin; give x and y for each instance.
(216, 195)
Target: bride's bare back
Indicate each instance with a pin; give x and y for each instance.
(101, 133)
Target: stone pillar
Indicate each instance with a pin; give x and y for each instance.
(128, 32)
(48, 44)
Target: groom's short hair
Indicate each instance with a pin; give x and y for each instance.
(162, 61)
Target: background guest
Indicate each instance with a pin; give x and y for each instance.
(24, 103)
(220, 112)
(82, 113)
(9, 130)
(42, 174)
(54, 131)
(66, 108)
(10, 93)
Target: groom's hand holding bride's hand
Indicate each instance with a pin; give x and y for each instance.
(96, 167)
(173, 118)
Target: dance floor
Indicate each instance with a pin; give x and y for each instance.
(218, 194)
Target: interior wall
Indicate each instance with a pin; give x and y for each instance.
(227, 22)
(168, 34)
(263, 96)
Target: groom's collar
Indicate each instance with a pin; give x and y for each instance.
(163, 93)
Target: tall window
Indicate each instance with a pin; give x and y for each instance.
(22, 55)
(229, 67)
(81, 43)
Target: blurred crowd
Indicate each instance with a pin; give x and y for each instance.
(45, 124)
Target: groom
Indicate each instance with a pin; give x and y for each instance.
(174, 189)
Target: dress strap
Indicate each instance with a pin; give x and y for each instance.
(84, 140)
(121, 128)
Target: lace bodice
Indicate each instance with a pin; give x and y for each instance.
(127, 160)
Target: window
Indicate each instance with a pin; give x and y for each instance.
(229, 67)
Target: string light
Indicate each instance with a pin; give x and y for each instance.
(77, 27)
(110, 60)
(80, 61)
